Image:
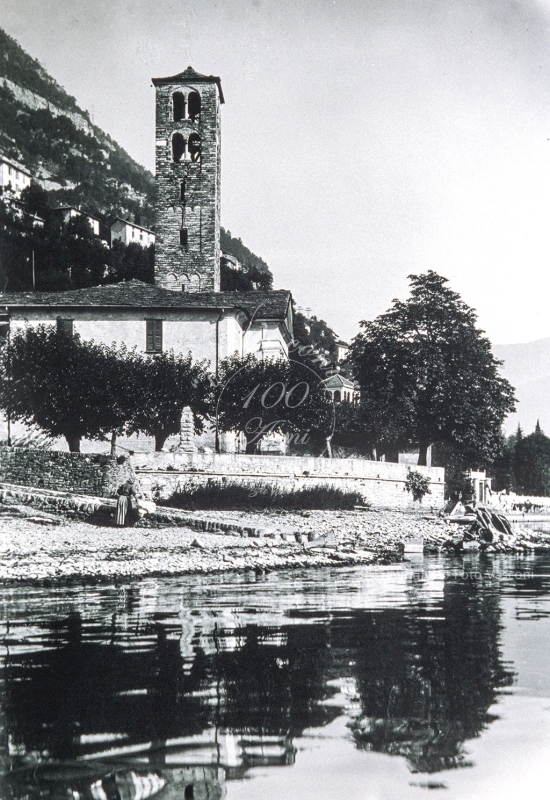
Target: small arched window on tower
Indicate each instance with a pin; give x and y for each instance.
(194, 147)
(182, 193)
(178, 147)
(178, 106)
(184, 238)
(194, 106)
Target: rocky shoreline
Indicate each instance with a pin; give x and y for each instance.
(37, 546)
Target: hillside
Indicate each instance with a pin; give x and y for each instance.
(43, 128)
(527, 367)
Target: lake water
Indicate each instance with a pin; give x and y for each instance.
(386, 682)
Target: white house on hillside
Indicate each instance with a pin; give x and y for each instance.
(13, 176)
(69, 212)
(129, 232)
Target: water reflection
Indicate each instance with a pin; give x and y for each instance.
(171, 687)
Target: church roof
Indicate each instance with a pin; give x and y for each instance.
(269, 304)
(190, 74)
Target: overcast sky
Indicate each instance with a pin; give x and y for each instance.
(362, 140)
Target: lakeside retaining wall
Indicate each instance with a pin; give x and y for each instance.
(379, 483)
(82, 473)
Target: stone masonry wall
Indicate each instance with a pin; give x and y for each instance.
(197, 265)
(380, 483)
(89, 474)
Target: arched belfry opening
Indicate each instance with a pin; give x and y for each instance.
(178, 147)
(178, 106)
(194, 106)
(194, 147)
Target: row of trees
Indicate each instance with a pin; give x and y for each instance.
(78, 389)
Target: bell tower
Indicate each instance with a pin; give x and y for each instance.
(187, 248)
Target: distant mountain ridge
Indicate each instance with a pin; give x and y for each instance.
(43, 128)
(527, 367)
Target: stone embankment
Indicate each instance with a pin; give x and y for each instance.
(43, 537)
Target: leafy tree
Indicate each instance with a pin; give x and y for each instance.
(131, 261)
(427, 373)
(352, 429)
(36, 200)
(65, 386)
(256, 398)
(164, 385)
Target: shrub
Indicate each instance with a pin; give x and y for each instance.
(417, 484)
(217, 494)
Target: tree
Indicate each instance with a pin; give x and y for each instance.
(532, 463)
(164, 385)
(256, 398)
(427, 373)
(65, 386)
(131, 261)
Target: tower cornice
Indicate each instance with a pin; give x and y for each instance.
(190, 74)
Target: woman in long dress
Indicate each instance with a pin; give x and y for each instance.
(126, 507)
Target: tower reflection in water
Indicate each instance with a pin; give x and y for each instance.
(159, 688)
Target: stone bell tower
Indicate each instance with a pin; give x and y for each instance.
(187, 248)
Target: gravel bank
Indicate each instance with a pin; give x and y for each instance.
(38, 546)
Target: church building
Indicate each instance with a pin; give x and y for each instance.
(184, 310)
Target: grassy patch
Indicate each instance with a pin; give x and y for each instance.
(216, 494)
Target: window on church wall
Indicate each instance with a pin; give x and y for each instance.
(182, 193)
(178, 106)
(65, 326)
(184, 238)
(194, 147)
(178, 147)
(153, 336)
(194, 106)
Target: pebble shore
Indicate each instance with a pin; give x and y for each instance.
(35, 546)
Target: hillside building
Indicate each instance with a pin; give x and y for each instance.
(130, 232)
(13, 176)
(67, 213)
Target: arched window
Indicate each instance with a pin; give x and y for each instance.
(182, 193)
(194, 147)
(336, 397)
(194, 106)
(178, 106)
(178, 147)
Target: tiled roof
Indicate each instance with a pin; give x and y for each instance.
(338, 382)
(190, 74)
(267, 304)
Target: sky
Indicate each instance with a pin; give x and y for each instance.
(362, 140)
